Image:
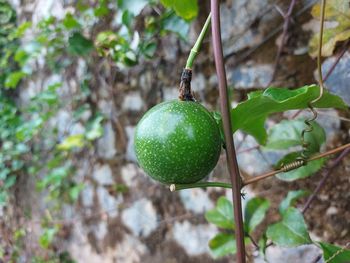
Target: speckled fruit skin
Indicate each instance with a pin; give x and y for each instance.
(177, 142)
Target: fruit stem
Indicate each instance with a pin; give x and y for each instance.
(185, 92)
(177, 187)
(196, 47)
(226, 119)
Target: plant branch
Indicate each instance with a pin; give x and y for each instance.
(326, 175)
(316, 157)
(287, 18)
(195, 49)
(178, 187)
(230, 149)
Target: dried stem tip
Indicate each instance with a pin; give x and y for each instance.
(185, 92)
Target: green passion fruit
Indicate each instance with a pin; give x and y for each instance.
(177, 142)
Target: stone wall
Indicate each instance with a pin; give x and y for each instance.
(148, 223)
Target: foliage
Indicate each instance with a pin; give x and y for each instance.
(186, 9)
(250, 115)
(334, 254)
(222, 216)
(293, 228)
(338, 12)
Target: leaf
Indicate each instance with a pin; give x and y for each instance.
(291, 231)
(250, 115)
(94, 129)
(175, 24)
(187, 9)
(47, 237)
(10, 181)
(329, 251)
(222, 214)
(255, 212)
(302, 172)
(337, 11)
(70, 22)
(287, 133)
(222, 244)
(79, 45)
(13, 79)
(133, 6)
(291, 198)
(73, 141)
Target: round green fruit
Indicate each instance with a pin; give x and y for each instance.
(177, 142)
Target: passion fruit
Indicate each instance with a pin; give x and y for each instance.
(177, 142)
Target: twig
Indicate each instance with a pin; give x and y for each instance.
(326, 175)
(316, 157)
(230, 149)
(253, 241)
(287, 18)
(268, 37)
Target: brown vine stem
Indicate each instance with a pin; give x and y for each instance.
(316, 157)
(326, 175)
(230, 149)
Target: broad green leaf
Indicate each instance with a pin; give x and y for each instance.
(255, 212)
(175, 24)
(133, 6)
(13, 79)
(222, 214)
(250, 115)
(187, 9)
(291, 198)
(329, 251)
(79, 45)
(337, 11)
(222, 244)
(305, 171)
(73, 141)
(287, 133)
(291, 231)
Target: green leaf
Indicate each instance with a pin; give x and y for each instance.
(95, 129)
(75, 191)
(13, 79)
(133, 6)
(187, 9)
(287, 133)
(291, 198)
(302, 172)
(222, 244)
(73, 141)
(329, 251)
(291, 231)
(250, 115)
(79, 45)
(222, 214)
(10, 181)
(47, 237)
(70, 22)
(175, 24)
(255, 212)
